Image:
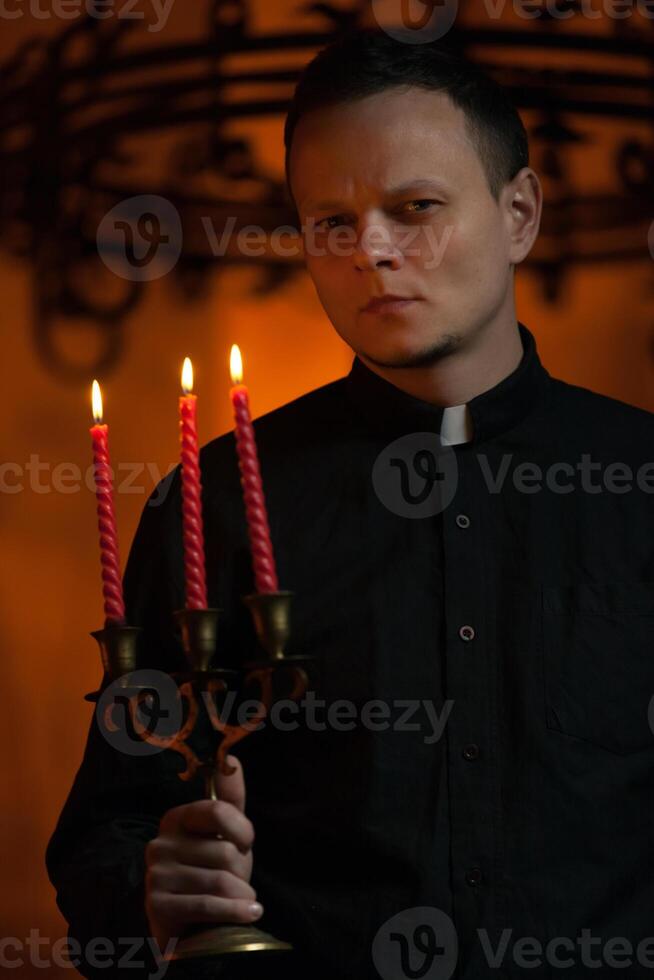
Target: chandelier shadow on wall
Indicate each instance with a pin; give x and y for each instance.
(91, 127)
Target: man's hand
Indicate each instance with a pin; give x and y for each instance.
(194, 877)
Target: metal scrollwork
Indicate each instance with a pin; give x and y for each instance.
(81, 114)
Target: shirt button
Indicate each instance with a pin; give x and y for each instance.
(462, 520)
(467, 633)
(474, 876)
(471, 752)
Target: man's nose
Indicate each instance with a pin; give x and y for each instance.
(376, 246)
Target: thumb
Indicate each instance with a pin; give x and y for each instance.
(231, 788)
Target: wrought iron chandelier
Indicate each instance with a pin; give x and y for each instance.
(81, 115)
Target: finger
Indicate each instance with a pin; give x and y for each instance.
(184, 880)
(185, 909)
(212, 818)
(232, 788)
(214, 855)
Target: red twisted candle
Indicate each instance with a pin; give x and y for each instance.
(192, 529)
(112, 589)
(263, 560)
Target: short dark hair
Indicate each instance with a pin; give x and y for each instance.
(366, 61)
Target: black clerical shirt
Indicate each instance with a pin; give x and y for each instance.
(489, 772)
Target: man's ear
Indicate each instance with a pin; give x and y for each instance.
(523, 205)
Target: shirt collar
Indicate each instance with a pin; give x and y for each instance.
(456, 425)
(389, 409)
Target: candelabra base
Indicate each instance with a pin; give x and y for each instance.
(223, 940)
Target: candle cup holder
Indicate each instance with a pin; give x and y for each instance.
(199, 629)
(117, 649)
(271, 615)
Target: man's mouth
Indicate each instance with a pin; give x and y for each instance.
(389, 303)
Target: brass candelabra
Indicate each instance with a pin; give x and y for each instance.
(198, 686)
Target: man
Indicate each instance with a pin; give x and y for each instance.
(481, 805)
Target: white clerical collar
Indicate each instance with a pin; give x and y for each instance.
(456, 426)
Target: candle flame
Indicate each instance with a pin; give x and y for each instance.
(187, 376)
(96, 403)
(236, 365)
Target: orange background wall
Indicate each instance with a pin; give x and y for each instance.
(601, 335)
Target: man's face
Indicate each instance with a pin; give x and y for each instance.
(393, 198)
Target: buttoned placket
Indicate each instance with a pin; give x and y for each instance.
(471, 682)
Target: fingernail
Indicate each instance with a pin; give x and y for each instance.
(255, 910)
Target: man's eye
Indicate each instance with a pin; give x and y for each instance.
(421, 210)
(333, 217)
(416, 207)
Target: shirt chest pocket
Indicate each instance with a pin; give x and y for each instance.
(598, 650)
